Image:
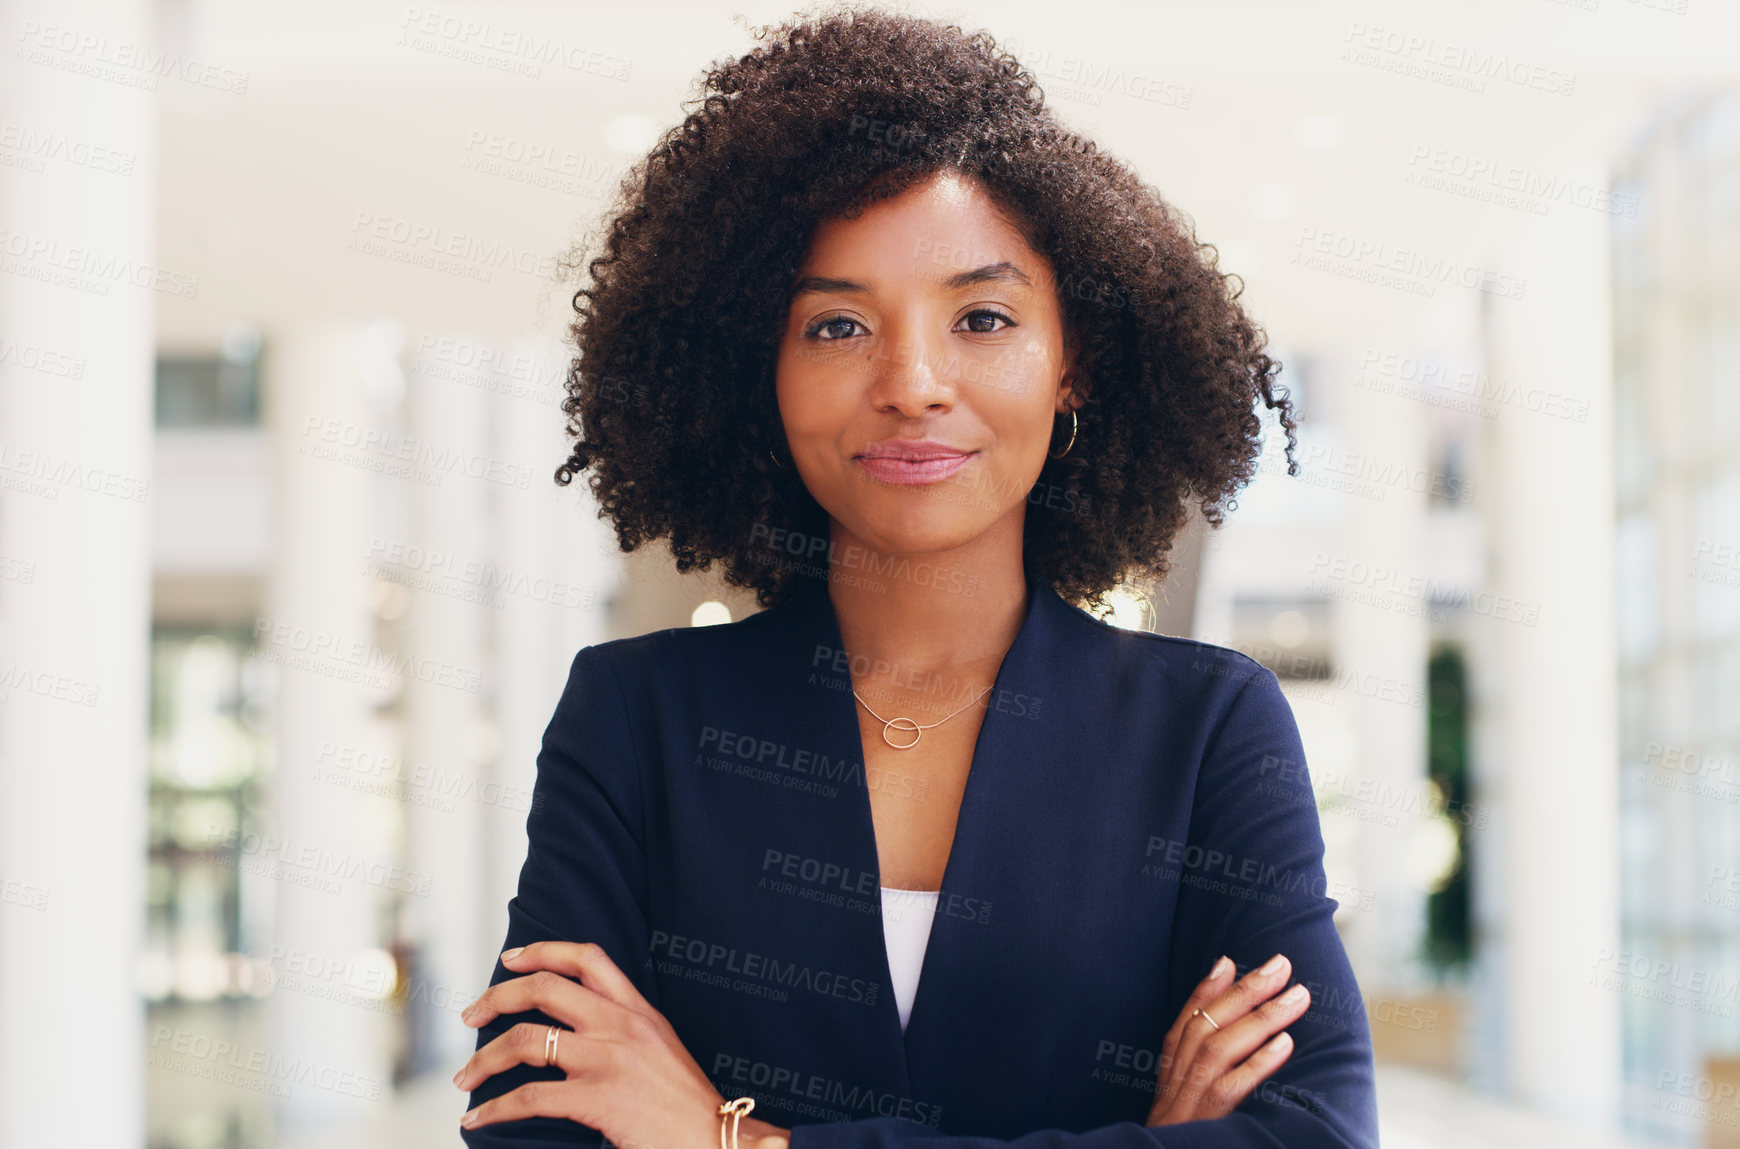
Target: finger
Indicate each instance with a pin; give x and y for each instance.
(1221, 1052)
(587, 961)
(523, 1044)
(1232, 1005)
(1209, 988)
(1204, 1097)
(1237, 1084)
(533, 1099)
(574, 1006)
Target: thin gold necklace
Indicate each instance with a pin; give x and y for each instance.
(909, 724)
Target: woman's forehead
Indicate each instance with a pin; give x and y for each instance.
(936, 229)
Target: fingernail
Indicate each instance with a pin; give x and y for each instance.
(1281, 1042)
(510, 955)
(459, 1079)
(1221, 966)
(1293, 996)
(468, 1118)
(1273, 965)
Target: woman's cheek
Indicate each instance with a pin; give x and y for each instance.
(1030, 370)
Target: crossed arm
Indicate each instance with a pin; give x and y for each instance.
(620, 1070)
(628, 1075)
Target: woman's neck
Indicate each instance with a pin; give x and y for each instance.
(928, 613)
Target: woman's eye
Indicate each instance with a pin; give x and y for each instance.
(833, 323)
(984, 315)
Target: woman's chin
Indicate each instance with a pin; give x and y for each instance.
(918, 542)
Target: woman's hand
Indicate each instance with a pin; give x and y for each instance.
(1205, 1072)
(627, 1074)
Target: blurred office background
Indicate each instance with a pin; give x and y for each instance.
(288, 594)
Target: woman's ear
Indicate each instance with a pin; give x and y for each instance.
(1071, 389)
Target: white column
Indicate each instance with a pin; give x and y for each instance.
(75, 588)
(446, 639)
(1381, 636)
(320, 632)
(546, 533)
(1549, 505)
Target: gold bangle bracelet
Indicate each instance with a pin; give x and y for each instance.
(735, 1110)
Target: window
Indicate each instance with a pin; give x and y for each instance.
(212, 390)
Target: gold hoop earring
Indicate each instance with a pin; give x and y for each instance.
(1073, 423)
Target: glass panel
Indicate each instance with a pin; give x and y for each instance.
(212, 390)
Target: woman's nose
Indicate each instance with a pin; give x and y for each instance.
(911, 372)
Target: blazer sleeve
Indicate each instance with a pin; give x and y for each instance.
(1252, 885)
(584, 877)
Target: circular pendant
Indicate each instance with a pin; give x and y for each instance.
(903, 724)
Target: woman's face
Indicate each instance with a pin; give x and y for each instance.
(922, 365)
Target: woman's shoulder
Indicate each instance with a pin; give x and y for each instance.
(1166, 654)
(674, 647)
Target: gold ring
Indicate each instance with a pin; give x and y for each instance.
(735, 1110)
(1205, 1017)
(550, 1040)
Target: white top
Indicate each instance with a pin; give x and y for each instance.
(906, 920)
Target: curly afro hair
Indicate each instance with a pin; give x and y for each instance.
(671, 399)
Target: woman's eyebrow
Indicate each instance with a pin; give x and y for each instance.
(827, 285)
(1004, 271)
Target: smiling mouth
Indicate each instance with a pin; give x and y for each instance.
(904, 471)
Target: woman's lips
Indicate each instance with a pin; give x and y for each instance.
(892, 469)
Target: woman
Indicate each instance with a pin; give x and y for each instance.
(922, 853)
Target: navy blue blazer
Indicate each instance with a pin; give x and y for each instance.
(1137, 806)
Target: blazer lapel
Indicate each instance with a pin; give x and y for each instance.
(979, 904)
